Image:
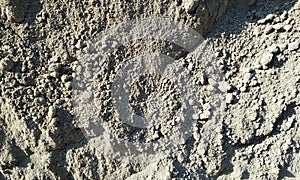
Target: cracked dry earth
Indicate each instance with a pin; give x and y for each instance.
(256, 46)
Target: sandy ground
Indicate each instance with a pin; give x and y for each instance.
(229, 109)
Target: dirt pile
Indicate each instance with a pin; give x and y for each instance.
(256, 45)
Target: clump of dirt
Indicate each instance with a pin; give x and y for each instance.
(256, 45)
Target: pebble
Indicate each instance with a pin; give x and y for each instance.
(65, 78)
(205, 115)
(207, 106)
(54, 74)
(247, 77)
(283, 16)
(253, 83)
(257, 31)
(269, 17)
(266, 58)
(54, 67)
(212, 82)
(6, 64)
(195, 116)
(190, 66)
(229, 98)
(294, 45)
(51, 112)
(68, 85)
(224, 86)
(190, 5)
(278, 26)
(274, 49)
(288, 27)
(243, 89)
(268, 30)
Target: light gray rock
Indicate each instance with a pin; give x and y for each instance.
(266, 58)
(274, 49)
(229, 98)
(52, 112)
(269, 29)
(294, 45)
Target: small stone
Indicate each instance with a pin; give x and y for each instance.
(294, 45)
(190, 5)
(224, 86)
(79, 45)
(68, 85)
(65, 78)
(205, 115)
(190, 67)
(201, 150)
(266, 58)
(278, 26)
(212, 82)
(229, 98)
(52, 112)
(268, 30)
(207, 106)
(243, 89)
(257, 31)
(195, 116)
(283, 16)
(253, 83)
(6, 64)
(247, 77)
(54, 74)
(274, 49)
(269, 18)
(288, 27)
(54, 67)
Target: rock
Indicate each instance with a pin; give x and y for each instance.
(66, 78)
(288, 27)
(52, 112)
(68, 85)
(212, 82)
(283, 16)
(190, 5)
(6, 64)
(266, 58)
(54, 74)
(267, 19)
(294, 45)
(257, 31)
(247, 77)
(54, 67)
(243, 89)
(268, 30)
(278, 26)
(224, 86)
(195, 116)
(229, 98)
(190, 66)
(205, 115)
(274, 49)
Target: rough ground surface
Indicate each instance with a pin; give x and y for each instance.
(256, 44)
